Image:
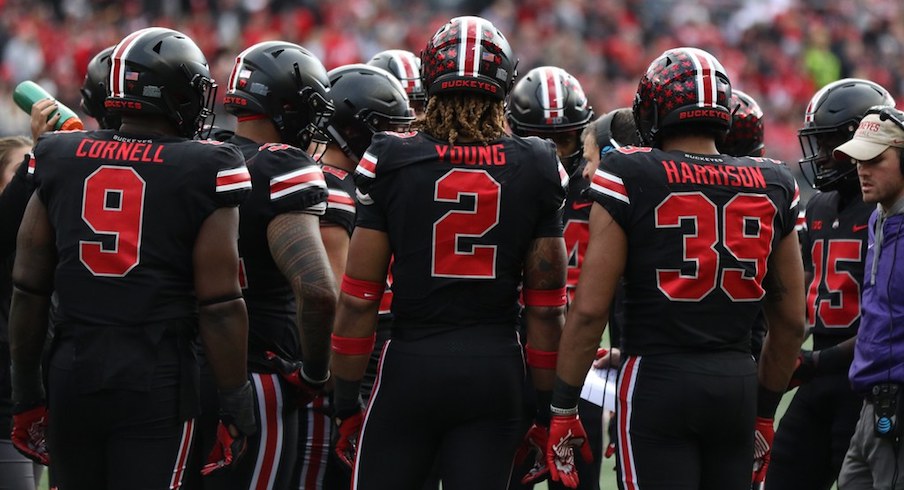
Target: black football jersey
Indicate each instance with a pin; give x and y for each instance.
(126, 213)
(576, 218)
(700, 231)
(340, 204)
(833, 243)
(284, 179)
(460, 220)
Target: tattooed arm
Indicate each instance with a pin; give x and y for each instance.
(298, 251)
(545, 269)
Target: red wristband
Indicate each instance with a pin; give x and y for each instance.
(367, 290)
(544, 297)
(353, 346)
(541, 359)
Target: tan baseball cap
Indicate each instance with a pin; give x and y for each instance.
(873, 136)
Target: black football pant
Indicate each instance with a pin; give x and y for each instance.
(685, 421)
(814, 434)
(117, 439)
(455, 397)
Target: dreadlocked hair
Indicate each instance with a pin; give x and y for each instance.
(459, 116)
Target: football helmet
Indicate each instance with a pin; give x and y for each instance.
(747, 134)
(285, 82)
(406, 67)
(549, 101)
(682, 86)
(162, 71)
(468, 54)
(94, 90)
(367, 100)
(831, 118)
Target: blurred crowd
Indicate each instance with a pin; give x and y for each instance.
(779, 51)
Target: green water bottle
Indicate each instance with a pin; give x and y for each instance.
(28, 92)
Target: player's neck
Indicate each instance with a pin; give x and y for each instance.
(334, 157)
(701, 145)
(151, 125)
(259, 131)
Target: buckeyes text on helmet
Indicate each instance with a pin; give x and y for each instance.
(468, 54)
(683, 87)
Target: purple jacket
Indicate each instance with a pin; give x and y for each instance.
(879, 355)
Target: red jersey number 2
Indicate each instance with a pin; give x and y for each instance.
(112, 206)
(449, 260)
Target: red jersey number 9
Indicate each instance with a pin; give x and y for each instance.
(112, 205)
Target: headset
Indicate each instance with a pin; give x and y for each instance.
(889, 113)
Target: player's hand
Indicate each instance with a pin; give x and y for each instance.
(607, 359)
(348, 429)
(40, 111)
(565, 435)
(763, 435)
(29, 433)
(227, 450)
(305, 389)
(804, 369)
(534, 443)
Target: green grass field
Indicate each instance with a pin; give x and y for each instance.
(607, 475)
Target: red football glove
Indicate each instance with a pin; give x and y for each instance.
(305, 391)
(349, 429)
(565, 434)
(226, 450)
(535, 442)
(762, 449)
(29, 434)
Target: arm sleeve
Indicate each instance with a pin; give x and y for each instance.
(296, 183)
(611, 188)
(368, 183)
(232, 182)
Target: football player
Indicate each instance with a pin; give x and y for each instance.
(406, 67)
(366, 100)
(135, 231)
(695, 276)
(550, 103)
(279, 93)
(815, 432)
(468, 214)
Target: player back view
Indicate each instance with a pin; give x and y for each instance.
(710, 242)
(467, 214)
(135, 231)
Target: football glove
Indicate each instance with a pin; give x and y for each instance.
(305, 389)
(565, 435)
(348, 430)
(804, 369)
(534, 442)
(29, 433)
(237, 422)
(763, 435)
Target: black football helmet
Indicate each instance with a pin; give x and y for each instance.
(285, 82)
(162, 71)
(94, 90)
(367, 100)
(682, 86)
(831, 118)
(747, 134)
(549, 101)
(468, 54)
(406, 67)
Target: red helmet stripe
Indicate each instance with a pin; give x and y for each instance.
(407, 66)
(706, 78)
(237, 69)
(118, 68)
(552, 92)
(471, 37)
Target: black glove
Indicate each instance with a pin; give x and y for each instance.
(306, 389)
(804, 369)
(237, 422)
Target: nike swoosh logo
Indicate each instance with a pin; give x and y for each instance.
(858, 228)
(581, 205)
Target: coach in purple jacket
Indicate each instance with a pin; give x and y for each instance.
(874, 459)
